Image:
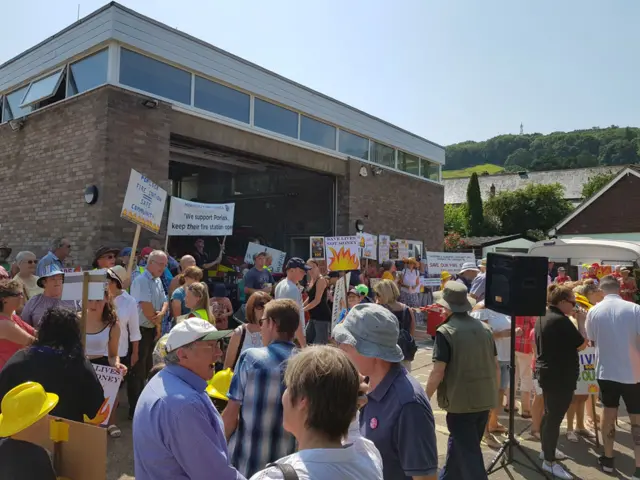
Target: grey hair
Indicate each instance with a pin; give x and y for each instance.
(609, 284)
(172, 358)
(23, 256)
(156, 254)
(187, 257)
(57, 243)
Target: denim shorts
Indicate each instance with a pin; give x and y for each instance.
(504, 375)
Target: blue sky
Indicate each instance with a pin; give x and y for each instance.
(448, 70)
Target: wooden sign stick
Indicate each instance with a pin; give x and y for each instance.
(132, 258)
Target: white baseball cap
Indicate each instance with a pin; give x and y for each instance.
(191, 330)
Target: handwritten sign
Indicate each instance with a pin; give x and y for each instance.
(342, 253)
(383, 247)
(587, 379)
(316, 245)
(144, 202)
(110, 380)
(202, 219)
(277, 257)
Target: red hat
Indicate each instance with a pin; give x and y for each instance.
(146, 251)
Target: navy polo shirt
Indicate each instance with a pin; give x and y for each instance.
(398, 419)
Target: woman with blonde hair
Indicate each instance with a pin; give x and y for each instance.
(387, 295)
(186, 278)
(197, 301)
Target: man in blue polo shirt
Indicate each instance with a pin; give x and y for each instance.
(397, 417)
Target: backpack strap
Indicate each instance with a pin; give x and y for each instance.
(288, 472)
(244, 334)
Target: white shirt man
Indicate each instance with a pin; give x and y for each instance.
(296, 269)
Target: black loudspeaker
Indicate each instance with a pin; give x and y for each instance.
(516, 284)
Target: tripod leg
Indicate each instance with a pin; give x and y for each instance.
(535, 464)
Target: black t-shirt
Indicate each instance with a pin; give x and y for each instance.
(24, 461)
(442, 350)
(557, 343)
(201, 258)
(73, 380)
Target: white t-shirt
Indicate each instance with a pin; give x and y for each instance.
(287, 289)
(614, 326)
(498, 322)
(359, 459)
(127, 310)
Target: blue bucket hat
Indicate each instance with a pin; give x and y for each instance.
(372, 330)
(50, 271)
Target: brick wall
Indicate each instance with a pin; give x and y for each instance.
(613, 212)
(94, 138)
(392, 204)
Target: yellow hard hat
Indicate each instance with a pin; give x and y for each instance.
(444, 275)
(219, 385)
(23, 406)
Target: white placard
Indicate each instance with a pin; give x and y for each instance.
(72, 287)
(276, 255)
(110, 379)
(587, 380)
(403, 249)
(368, 245)
(342, 253)
(340, 297)
(144, 202)
(200, 219)
(383, 247)
(438, 262)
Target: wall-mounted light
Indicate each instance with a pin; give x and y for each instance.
(16, 124)
(91, 194)
(377, 171)
(150, 103)
(363, 171)
(359, 226)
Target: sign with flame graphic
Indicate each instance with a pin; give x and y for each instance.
(110, 379)
(342, 253)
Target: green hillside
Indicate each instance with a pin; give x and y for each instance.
(559, 150)
(487, 168)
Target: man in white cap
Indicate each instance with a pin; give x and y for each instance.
(467, 274)
(177, 432)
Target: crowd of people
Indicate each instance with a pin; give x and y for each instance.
(281, 389)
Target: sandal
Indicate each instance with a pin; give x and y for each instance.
(583, 432)
(572, 436)
(114, 431)
(499, 428)
(533, 436)
(491, 441)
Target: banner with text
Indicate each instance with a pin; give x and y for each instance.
(316, 247)
(275, 258)
(201, 219)
(383, 247)
(438, 262)
(342, 253)
(144, 202)
(587, 379)
(110, 379)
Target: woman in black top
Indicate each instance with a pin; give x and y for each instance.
(56, 361)
(319, 328)
(557, 368)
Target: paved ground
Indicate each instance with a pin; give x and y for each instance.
(582, 460)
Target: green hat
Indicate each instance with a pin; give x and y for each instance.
(362, 289)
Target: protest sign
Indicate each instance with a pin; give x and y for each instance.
(403, 249)
(277, 257)
(340, 298)
(383, 247)
(587, 379)
(438, 262)
(110, 379)
(369, 246)
(74, 281)
(144, 202)
(342, 253)
(316, 247)
(601, 271)
(201, 219)
(394, 252)
(415, 249)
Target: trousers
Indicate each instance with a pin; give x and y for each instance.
(464, 454)
(556, 404)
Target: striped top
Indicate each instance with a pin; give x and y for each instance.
(258, 386)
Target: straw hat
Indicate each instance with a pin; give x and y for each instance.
(23, 406)
(219, 385)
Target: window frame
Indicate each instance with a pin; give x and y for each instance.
(274, 104)
(218, 114)
(327, 124)
(60, 71)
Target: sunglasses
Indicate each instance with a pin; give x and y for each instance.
(30, 262)
(16, 294)
(110, 256)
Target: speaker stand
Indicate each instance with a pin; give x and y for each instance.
(511, 443)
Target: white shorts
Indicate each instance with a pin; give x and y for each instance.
(536, 387)
(524, 372)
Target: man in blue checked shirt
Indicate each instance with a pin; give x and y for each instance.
(177, 432)
(253, 416)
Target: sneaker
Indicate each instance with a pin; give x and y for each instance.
(556, 470)
(559, 455)
(490, 441)
(606, 464)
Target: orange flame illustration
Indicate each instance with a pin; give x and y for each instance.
(101, 416)
(343, 260)
(593, 388)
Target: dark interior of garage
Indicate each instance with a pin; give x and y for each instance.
(278, 205)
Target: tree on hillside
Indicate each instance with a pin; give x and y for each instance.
(595, 183)
(519, 158)
(455, 219)
(475, 217)
(534, 207)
